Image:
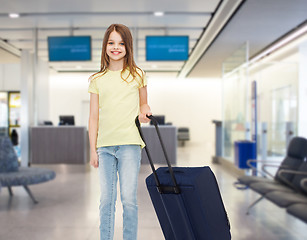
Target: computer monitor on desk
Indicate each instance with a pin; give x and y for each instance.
(67, 120)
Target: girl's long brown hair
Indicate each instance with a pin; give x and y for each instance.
(128, 59)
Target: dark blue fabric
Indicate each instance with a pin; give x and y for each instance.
(8, 157)
(197, 212)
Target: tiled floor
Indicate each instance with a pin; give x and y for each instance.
(68, 207)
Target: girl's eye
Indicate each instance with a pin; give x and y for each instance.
(122, 44)
(110, 43)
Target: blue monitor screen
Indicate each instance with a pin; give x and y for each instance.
(70, 48)
(167, 48)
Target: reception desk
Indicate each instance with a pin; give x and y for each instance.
(60, 144)
(69, 144)
(169, 137)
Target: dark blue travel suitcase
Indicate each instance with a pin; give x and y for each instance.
(187, 201)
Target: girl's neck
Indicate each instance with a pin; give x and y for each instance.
(116, 65)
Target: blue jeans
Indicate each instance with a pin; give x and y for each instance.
(124, 160)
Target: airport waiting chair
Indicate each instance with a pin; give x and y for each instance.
(298, 194)
(12, 175)
(296, 154)
(299, 210)
(183, 135)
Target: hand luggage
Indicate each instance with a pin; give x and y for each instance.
(187, 201)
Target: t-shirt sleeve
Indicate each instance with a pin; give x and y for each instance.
(93, 87)
(144, 80)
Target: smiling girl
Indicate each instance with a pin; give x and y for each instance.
(118, 93)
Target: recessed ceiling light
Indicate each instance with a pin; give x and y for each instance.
(14, 15)
(159, 14)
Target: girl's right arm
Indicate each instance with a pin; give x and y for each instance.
(93, 128)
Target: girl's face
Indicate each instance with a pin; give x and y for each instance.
(116, 49)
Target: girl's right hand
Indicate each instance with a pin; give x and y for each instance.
(94, 159)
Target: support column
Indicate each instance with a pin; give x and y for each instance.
(26, 89)
(302, 91)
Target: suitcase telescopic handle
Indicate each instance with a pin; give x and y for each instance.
(161, 189)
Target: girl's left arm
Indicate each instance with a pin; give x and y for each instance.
(144, 107)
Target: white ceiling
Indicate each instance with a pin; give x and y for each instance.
(92, 17)
(258, 21)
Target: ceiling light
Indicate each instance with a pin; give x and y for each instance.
(14, 15)
(159, 14)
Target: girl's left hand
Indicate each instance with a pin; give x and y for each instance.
(143, 118)
(144, 110)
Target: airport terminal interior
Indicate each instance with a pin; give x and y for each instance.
(227, 83)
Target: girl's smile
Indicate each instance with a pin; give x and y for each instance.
(115, 52)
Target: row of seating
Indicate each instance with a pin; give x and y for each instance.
(288, 188)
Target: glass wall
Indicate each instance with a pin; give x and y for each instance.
(234, 109)
(235, 84)
(277, 104)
